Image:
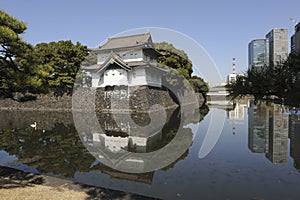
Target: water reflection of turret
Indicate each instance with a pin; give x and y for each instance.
(278, 135)
(294, 134)
(121, 134)
(127, 135)
(258, 127)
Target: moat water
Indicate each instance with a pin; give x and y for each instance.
(256, 154)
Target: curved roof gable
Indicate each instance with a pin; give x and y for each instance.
(114, 58)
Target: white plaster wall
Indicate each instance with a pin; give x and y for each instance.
(131, 56)
(95, 80)
(113, 77)
(127, 56)
(153, 77)
(137, 76)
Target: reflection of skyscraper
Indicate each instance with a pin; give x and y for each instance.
(258, 127)
(294, 133)
(278, 135)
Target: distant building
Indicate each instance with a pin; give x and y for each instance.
(295, 39)
(258, 53)
(231, 78)
(278, 44)
(128, 60)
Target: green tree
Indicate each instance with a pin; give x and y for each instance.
(238, 88)
(14, 73)
(61, 61)
(90, 59)
(174, 58)
(180, 64)
(281, 80)
(199, 84)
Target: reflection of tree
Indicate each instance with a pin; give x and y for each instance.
(58, 151)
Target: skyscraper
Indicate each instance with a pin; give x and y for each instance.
(258, 53)
(278, 44)
(295, 39)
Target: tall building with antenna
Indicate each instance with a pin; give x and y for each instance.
(295, 39)
(232, 77)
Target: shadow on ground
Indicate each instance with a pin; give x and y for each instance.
(13, 178)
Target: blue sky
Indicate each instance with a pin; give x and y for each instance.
(222, 28)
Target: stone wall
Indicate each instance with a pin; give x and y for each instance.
(122, 98)
(133, 98)
(43, 103)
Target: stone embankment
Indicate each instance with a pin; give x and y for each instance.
(133, 99)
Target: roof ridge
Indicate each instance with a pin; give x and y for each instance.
(126, 36)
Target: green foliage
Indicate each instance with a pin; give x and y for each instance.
(280, 80)
(180, 64)
(58, 63)
(91, 59)
(12, 49)
(174, 58)
(237, 88)
(198, 84)
(40, 69)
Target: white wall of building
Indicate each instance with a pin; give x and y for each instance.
(153, 77)
(142, 75)
(127, 56)
(113, 77)
(137, 76)
(97, 80)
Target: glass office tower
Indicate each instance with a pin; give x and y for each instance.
(258, 51)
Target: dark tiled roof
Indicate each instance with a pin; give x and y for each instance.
(127, 41)
(137, 63)
(91, 67)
